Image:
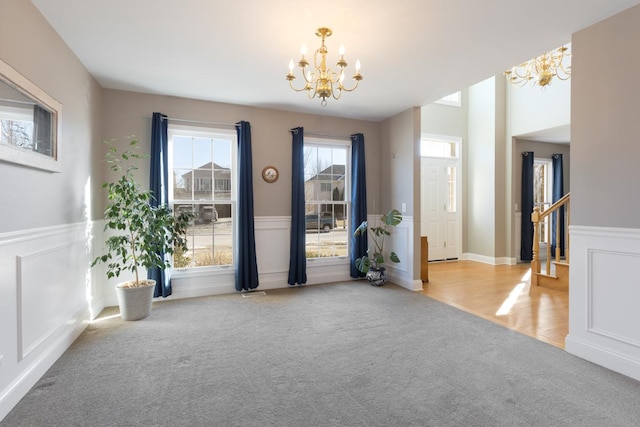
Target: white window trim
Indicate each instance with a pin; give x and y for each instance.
(326, 142)
(548, 178)
(208, 132)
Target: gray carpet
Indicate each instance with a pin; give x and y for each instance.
(345, 354)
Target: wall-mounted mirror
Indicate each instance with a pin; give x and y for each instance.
(29, 123)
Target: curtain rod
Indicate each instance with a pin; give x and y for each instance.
(197, 122)
(327, 135)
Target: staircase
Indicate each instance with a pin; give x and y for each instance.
(556, 271)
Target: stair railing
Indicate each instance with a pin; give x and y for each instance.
(539, 216)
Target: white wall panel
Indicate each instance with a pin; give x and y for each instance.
(401, 242)
(614, 273)
(273, 235)
(272, 252)
(50, 287)
(604, 291)
(44, 279)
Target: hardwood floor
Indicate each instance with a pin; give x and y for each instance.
(501, 294)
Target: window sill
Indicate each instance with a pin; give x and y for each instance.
(202, 272)
(318, 262)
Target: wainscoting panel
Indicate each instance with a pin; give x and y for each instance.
(402, 243)
(50, 288)
(44, 282)
(604, 291)
(613, 274)
(273, 235)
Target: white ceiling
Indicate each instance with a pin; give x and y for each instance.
(412, 51)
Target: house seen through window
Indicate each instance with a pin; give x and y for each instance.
(202, 178)
(326, 189)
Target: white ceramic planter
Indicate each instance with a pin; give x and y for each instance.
(135, 303)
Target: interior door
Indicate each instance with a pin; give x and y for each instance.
(439, 211)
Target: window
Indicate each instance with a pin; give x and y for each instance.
(326, 189)
(29, 123)
(451, 189)
(431, 147)
(455, 100)
(542, 188)
(202, 178)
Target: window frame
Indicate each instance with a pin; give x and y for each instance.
(51, 162)
(455, 141)
(334, 143)
(547, 190)
(195, 131)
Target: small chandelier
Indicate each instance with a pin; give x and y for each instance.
(541, 70)
(323, 82)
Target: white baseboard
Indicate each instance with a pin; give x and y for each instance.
(489, 260)
(603, 356)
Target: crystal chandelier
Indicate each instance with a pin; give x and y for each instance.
(541, 70)
(321, 81)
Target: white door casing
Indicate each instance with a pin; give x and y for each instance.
(440, 210)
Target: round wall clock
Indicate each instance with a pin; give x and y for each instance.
(270, 174)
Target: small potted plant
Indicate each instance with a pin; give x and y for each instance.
(142, 233)
(372, 263)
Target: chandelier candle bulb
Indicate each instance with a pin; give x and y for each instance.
(323, 82)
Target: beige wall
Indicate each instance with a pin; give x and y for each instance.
(129, 113)
(605, 224)
(481, 169)
(32, 198)
(605, 124)
(399, 150)
(400, 174)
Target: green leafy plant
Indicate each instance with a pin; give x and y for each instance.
(375, 252)
(142, 232)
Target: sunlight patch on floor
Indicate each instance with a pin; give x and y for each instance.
(101, 319)
(507, 305)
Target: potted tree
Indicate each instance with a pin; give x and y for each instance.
(140, 233)
(372, 263)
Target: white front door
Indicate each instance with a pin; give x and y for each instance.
(440, 187)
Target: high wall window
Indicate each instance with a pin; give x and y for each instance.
(454, 100)
(202, 177)
(326, 189)
(431, 147)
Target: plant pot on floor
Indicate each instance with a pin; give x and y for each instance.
(377, 276)
(135, 302)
